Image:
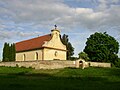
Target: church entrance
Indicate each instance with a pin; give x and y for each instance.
(80, 64)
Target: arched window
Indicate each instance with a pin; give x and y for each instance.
(36, 56)
(24, 57)
(56, 53)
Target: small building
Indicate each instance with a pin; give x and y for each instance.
(47, 47)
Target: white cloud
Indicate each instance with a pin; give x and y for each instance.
(27, 34)
(4, 35)
(35, 11)
(83, 11)
(48, 12)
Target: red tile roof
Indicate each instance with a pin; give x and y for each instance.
(31, 44)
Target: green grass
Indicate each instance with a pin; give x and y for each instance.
(59, 79)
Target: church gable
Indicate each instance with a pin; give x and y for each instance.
(55, 41)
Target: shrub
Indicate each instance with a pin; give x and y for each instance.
(117, 64)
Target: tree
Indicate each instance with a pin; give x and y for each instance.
(4, 51)
(12, 52)
(102, 47)
(84, 56)
(9, 52)
(69, 46)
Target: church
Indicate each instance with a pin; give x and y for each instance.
(47, 47)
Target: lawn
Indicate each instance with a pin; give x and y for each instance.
(59, 79)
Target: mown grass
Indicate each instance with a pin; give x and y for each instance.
(59, 79)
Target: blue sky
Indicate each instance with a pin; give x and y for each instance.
(25, 19)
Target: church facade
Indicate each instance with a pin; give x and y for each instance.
(47, 47)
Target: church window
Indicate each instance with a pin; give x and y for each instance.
(56, 53)
(24, 57)
(36, 56)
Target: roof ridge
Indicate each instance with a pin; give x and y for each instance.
(32, 38)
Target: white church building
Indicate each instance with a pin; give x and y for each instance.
(47, 47)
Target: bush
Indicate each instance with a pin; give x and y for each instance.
(84, 56)
(117, 64)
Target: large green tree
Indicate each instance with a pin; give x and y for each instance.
(9, 52)
(5, 52)
(12, 52)
(102, 47)
(70, 49)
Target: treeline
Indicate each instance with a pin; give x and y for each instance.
(9, 52)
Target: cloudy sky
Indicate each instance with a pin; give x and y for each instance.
(25, 19)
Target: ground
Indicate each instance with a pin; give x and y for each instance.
(59, 79)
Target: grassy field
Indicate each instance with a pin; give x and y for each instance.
(59, 79)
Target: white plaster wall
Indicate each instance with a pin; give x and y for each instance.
(99, 64)
(49, 54)
(29, 55)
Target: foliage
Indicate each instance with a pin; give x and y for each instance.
(13, 52)
(102, 47)
(117, 64)
(9, 52)
(84, 56)
(69, 46)
(74, 58)
(6, 52)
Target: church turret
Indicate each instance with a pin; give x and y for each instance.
(55, 31)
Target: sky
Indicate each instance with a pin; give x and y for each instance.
(26, 19)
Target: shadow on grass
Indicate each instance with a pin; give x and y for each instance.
(25, 80)
(115, 72)
(46, 76)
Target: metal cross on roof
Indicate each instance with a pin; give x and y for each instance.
(55, 26)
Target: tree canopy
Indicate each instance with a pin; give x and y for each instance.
(65, 41)
(102, 47)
